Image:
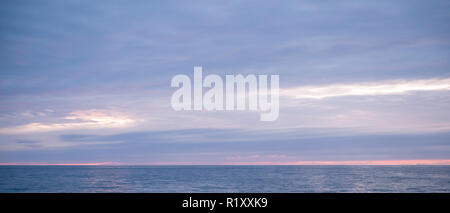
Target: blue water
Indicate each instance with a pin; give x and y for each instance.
(224, 178)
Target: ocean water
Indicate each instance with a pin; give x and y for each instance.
(225, 179)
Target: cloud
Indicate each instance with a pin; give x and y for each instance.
(179, 135)
(148, 147)
(368, 89)
(80, 119)
(22, 141)
(29, 143)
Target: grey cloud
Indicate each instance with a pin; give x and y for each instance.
(23, 141)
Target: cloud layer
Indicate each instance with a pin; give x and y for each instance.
(361, 81)
(368, 88)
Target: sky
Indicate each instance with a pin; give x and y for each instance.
(88, 82)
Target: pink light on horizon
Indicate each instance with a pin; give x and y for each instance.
(62, 164)
(174, 163)
(373, 162)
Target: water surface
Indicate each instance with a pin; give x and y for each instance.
(224, 178)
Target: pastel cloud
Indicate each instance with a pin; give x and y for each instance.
(101, 118)
(80, 119)
(368, 88)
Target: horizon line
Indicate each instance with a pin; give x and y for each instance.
(436, 162)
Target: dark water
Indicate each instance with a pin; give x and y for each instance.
(224, 178)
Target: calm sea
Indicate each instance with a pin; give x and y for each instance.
(224, 178)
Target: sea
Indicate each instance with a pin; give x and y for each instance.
(249, 179)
